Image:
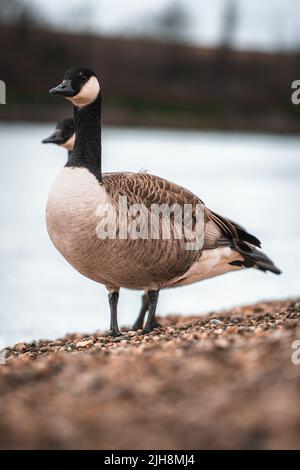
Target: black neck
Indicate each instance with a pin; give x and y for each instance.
(87, 150)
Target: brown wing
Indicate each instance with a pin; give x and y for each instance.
(148, 189)
(172, 257)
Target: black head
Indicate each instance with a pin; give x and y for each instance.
(64, 131)
(80, 85)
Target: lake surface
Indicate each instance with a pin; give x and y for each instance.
(252, 179)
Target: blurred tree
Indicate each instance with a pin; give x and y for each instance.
(20, 13)
(81, 17)
(229, 24)
(225, 59)
(171, 24)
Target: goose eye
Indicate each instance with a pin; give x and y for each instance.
(83, 78)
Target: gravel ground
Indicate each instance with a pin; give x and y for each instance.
(223, 380)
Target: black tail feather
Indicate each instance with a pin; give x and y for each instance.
(242, 233)
(256, 259)
(244, 243)
(247, 237)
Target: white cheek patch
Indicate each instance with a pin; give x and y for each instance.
(69, 144)
(87, 94)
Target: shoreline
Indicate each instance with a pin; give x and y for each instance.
(222, 380)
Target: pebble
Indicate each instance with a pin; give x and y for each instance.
(219, 331)
(222, 343)
(117, 339)
(234, 327)
(215, 321)
(25, 359)
(84, 344)
(20, 347)
(231, 330)
(170, 329)
(259, 332)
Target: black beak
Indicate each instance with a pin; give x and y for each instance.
(64, 89)
(54, 138)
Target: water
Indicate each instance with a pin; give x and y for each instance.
(252, 179)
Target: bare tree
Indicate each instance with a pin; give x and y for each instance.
(171, 24)
(19, 13)
(229, 24)
(82, 17)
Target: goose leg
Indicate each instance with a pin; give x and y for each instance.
(139, 322)
(113, 298)
(152, 298)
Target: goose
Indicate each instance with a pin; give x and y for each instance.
(64, 136)
(82, 195)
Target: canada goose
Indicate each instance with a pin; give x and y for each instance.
(82, 193)
(64, 136)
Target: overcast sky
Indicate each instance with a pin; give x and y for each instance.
(263, 24)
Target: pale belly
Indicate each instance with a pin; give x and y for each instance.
(75, 206)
